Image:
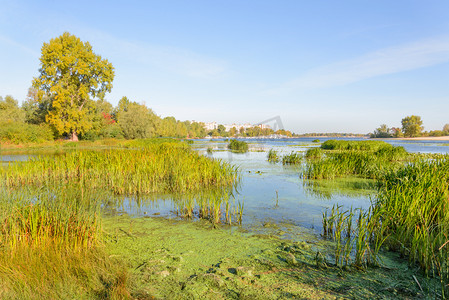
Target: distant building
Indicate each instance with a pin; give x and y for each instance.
(210, 126)
(214, 125)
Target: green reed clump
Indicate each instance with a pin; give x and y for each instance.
(354, 145)
(65, 217)
(162, 167)
(316, 141)
(216, 205)
(367, 164)
(414, 203)
(357, 245)
(209, 150)
(238, 146)
(273, 156)
(292, 159)
(50, 246)
(314, 153)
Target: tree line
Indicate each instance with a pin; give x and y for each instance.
(67, 100)
(412, 126)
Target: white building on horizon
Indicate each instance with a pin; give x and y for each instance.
(214, 125)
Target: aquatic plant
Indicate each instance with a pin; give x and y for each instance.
(368, 164)
(359, 245)
(354, 145)
(161, 167)
(314, 153)
(410, 215)
(216, 205)
(316, 141)
(238, 146)
(292, 159)
(273, 156)
(415, 208)
(50, 246)
(65, 217)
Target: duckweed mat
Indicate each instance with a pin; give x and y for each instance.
(178, 259)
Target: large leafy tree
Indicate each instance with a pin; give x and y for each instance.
(412, 126)
(71, 75)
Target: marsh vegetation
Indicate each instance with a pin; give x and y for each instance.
(62, 212)
(409, 213)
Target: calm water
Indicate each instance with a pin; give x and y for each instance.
(271, 193)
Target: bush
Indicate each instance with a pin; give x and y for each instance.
(19, 133)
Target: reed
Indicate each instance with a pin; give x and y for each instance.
(156, 168)
(292, 159)
(50, 245)
(216, 205)
(359, 245)
(64, 217)
(314, 153)
(273, 156)
(364, 163)
(415, 208)
(238, 146)
(410, 214)
(354, 145)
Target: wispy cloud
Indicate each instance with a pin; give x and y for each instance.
(175, 60)
(7, 41)
(420, 54)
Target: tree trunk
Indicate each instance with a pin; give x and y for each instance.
(74, 137)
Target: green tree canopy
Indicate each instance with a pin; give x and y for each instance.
(412, 126)
(138, 122)
(382, 132)
(10, 110)
(70, 74)
(35, 109)
(446, 128)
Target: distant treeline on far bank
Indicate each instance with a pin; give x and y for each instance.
(28, 123)
(412, 126)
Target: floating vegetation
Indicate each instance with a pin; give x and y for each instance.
(238, 146)
(292, 159)
(273, 156)
(316, 141)
(345, 186)
(156, 168)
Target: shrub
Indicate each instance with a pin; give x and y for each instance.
(19, 133)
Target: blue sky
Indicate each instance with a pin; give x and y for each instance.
(322, 66)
